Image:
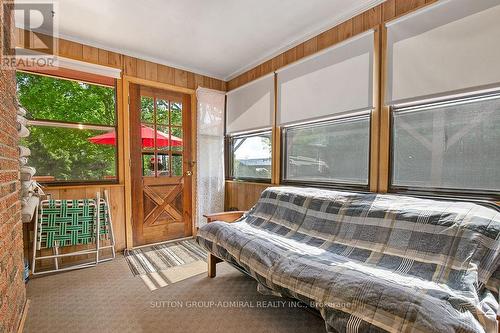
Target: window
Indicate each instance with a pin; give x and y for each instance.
(448, 146)
(73, 128)
(250, 156)
(330, 152)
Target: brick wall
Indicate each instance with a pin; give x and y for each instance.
(12, 288)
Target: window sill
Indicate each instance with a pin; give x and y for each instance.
(249, 180)
(434, 193)
(328, 186)
(66, 186)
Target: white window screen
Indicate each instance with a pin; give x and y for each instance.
(330, 152)
(449, 48)
(452, 145)
(335, 81)
(251, 106)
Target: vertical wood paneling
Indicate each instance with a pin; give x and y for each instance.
(241, 195)
(251, 74)
(70, 49)
(190, 81)
(90, 54)
(198, 80)
(114, 59)
(166, 74)
(277, 62)
(405, 6)
(357, 24)
(328, 38)
(103, 57)
(151, 71)
(345, 30)
(130, 66)
(268, 65)
(181, 78)
(372, 18)
(310, 46)
(141, 69)
(389, 10)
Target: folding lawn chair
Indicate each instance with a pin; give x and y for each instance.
(61, 223)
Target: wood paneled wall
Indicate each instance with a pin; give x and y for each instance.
(129, 65)
(242, 195)
(370, 19)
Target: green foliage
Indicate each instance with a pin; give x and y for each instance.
(162, 112)
(66, 154)
(56, 99)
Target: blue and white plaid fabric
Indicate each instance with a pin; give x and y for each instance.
(370, 262)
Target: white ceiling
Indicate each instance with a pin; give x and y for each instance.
(219, 38)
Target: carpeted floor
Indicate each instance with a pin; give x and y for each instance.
(108, 298)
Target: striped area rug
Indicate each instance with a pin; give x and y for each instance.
(164, 264)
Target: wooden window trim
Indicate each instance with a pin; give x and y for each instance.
(229, 139)
(72, 75)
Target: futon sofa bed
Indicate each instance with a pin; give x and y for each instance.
(368, 262)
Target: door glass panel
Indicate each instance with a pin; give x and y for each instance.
(147, 109)
(162, 111)
(148, 164)
(176, 142)
(162, 164)
(162, 138)
(176, 114)
(147, 137)
(177, 164)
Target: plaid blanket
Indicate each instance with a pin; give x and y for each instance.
(370, 262)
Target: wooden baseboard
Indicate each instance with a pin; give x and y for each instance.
(24, 315)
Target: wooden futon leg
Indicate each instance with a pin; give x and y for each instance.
(212, 261)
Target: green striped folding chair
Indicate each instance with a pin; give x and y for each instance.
(63, 223)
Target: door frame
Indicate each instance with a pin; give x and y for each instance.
(126, 81)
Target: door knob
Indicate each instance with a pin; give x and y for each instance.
(189, 173)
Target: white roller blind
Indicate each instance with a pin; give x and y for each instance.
(449, 48)
(337, 80)
(251, 106)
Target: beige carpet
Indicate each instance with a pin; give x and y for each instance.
(107, 298)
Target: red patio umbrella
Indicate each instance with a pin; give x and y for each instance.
(147, 134)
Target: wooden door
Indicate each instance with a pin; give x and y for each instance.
(160, 130)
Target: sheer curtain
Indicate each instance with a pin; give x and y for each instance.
(210, 153)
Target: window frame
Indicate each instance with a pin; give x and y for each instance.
(229, 145)
(436, 192)
(326, 184)
(79, 125)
